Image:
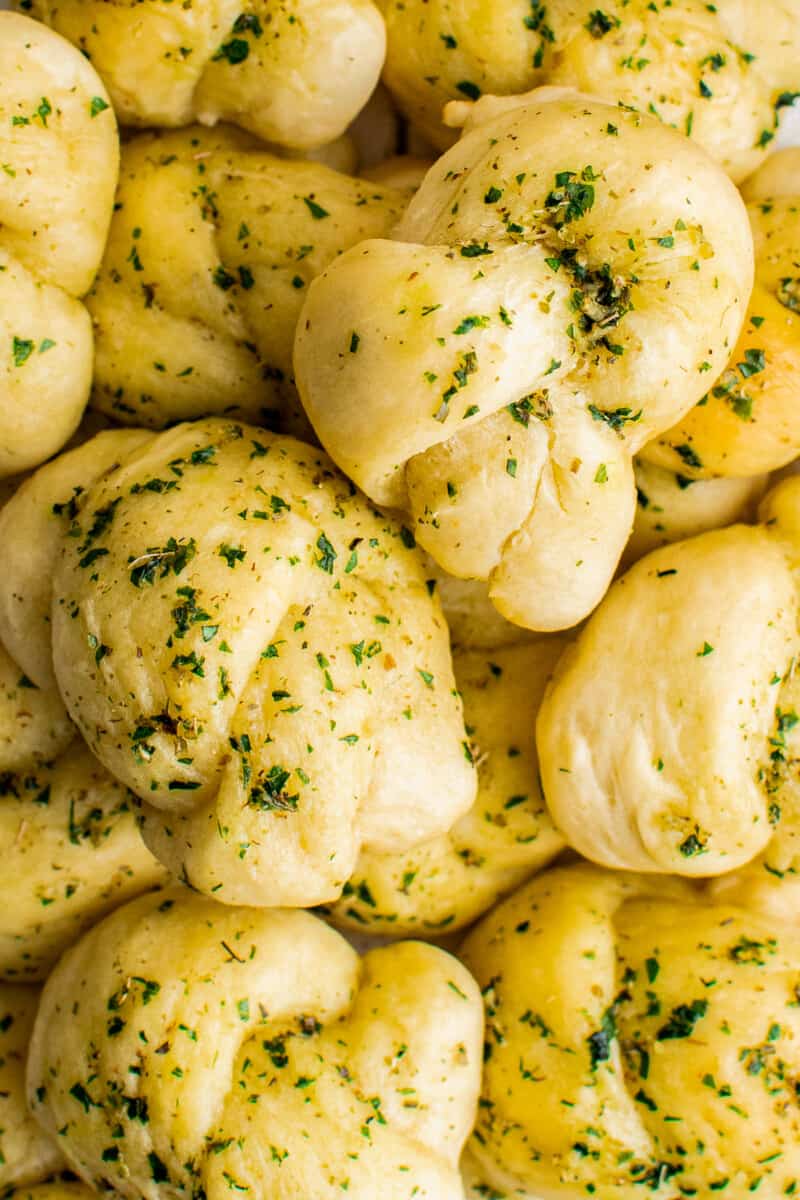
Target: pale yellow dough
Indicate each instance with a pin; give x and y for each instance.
(714, 72)
(34, 726)
(472, 619)
(271, 1060)
(760, 886)
(27, 1154)
(401, 171)
(567, 281)
(748, 422)
(640, 1040)
(294, 73)
(210, 254)
(33, 524)
(670, 507)
(72, 847)
(668, 740)
(251, 648)
(72, 851)
(506, 836)
(375, 132)
(59, 155)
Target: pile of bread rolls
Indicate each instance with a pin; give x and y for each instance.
(400, 604)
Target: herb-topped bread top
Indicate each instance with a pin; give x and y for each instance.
(568, 280)
(271, 1060)
(747, 422)
(253, 648)
(720, 73)
(640, 1040)
(668, 740)
(295, 73)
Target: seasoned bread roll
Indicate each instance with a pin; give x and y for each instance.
(747, 423)
(250, 647)
(210, 253)
(72, 852)
(27, 1153)
(721, 73)
(670, 507)
(33, 525)
(270, 1059)
(59, 157)
(34, 726)
(568, 279)
(639, 1040)
(295, 74)
(668, 738)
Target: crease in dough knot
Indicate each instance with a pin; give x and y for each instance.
(448, 881)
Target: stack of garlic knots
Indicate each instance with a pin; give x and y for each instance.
(400, 604)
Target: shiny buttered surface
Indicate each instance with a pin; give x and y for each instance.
(721, 73)
(59, 157)
(537, 311)
(747, 423)
(270, 1059)
(640, 1039)
(295, 73)
(212, 247)
(682, 758)
(249, 646)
